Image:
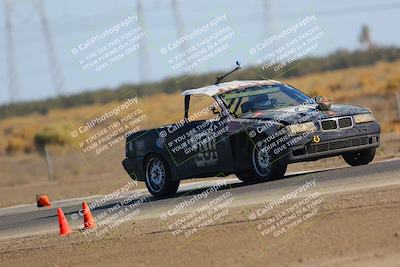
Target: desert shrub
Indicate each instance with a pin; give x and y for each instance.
(15, 144)
(393, 84)
(51, 136)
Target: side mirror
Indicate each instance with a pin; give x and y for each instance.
(324, 103)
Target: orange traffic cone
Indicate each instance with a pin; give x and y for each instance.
(87, 216)
(62, 221)
(42, 201)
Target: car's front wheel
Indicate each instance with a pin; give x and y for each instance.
(264, 166)
(361, 157)
(158, 177)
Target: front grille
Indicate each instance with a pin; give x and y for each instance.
(333, 145)
(345, 122)
(336, 123)
(329, 125)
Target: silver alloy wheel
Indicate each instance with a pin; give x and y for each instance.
(155, 174)
(261, 161)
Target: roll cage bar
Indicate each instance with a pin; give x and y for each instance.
(218, 99)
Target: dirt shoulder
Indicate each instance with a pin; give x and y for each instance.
(350, 229)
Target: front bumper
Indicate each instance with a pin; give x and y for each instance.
(328, 144)
(134, 167)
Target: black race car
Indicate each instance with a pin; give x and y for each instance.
(254, 130)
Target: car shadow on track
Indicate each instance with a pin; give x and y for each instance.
(191, 192)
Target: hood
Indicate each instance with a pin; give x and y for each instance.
(293, 114)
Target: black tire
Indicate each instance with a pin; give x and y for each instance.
(264, 167)
(361, 157)
(158, 177)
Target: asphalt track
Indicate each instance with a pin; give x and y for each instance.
(26, 220)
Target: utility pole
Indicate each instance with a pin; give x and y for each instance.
(143, 57)
(398, 104)
(55, 69)
(267, 26)
(13, 84)
(180, 29)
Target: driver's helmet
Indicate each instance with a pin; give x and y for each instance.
(259, 102)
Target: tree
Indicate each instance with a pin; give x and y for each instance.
(49, 136)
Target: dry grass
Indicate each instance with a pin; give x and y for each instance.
(371, 86)
(23, 175)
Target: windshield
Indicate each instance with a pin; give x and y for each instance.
(268, 97)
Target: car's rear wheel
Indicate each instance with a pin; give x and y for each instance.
(158, 177)
(361, 157)
(264, 166)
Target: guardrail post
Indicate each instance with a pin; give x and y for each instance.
(49, 163)
(398, 104)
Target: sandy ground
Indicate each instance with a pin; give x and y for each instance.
(359, 228)
(24, 176)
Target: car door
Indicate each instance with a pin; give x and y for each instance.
(213, 155)
(200, 145)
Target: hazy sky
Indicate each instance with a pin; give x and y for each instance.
(72, 22)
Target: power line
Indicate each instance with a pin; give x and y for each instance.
(13, 84)
(251, 18)
(143, 55)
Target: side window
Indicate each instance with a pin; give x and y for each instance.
(201, 108)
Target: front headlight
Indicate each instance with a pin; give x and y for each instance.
(361, 118)
(301, 128)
